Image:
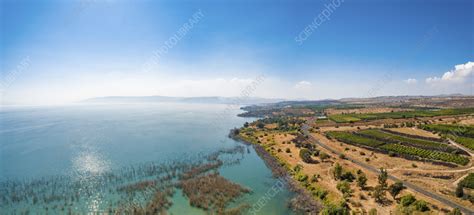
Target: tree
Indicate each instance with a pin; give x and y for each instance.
(395, 189)
(260, 125)
(305, 155)
(379, 193)
(459, 190)
(246, 124)
(382, 178)
(337, 171)
(361, 180)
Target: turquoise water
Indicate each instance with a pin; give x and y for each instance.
(79, 143)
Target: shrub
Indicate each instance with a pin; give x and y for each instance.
(297, 168)
(332, 209)
(337, 172)
(407, 200)
(316, 152)
(302, 177)
(323, 156)
(342, 156)
(287, 150)
(455, 211)
(320, 193)
(361, 180)
(345, 188)
(347, 176)
(373, 211)
(421, 205)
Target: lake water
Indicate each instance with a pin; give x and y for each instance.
(52, 145)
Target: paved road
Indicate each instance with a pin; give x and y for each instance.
(414, 187)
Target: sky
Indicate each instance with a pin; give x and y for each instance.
(54, 52)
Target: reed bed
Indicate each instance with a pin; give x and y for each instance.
(145, 188)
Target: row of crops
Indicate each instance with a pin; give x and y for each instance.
(468, 181)
(462, 134)
(428, 154)
(353, 139)
(345, 118)
(382, 143)
(415, 142)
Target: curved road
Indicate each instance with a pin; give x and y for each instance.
(412, 186)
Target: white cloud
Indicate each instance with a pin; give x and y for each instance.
(302, 85)
(411, 81)
(460, 74)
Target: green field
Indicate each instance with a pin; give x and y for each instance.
(354, 139)
(341, 118)
(376, 141)
(415, 142)
(465, 141)
(457, 130)
(428, 154)
(468, 182)
(345, 118)
(461, 134)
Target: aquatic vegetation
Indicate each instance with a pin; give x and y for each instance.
(197, 170)
(145, 188)
(211, 192)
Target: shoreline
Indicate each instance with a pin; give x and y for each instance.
(303, 201)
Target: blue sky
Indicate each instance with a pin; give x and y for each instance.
(63, 51)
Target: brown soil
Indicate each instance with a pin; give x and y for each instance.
(415, 131)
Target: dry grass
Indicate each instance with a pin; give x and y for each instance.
(415, 131)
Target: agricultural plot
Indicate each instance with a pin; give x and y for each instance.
(341, 118)
(354, 139)
(462, 134)
(465, 141)
(468, 182)
(428, 154)
(345, 118)
(387, 142)
(458, 130)
(403, 140)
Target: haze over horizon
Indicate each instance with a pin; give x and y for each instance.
(59, 52)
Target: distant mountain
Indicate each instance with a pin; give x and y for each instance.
(207, 100)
